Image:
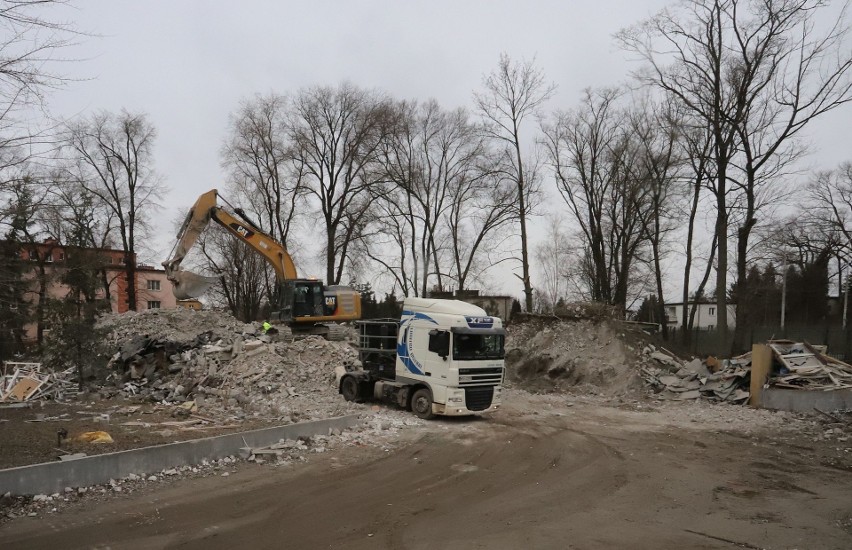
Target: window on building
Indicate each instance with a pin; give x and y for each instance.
(49, 257)
(33, 256)
(711, 311)
(711, 327)
(153, 304)
(60, 256)
(153, 285)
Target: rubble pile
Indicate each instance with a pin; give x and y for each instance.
(679, 380)
(555, 354)
(608, 357)
(795, 365)
(181, 325)
(219, 366)
(802, 366)
(28, 382)
(379, 430)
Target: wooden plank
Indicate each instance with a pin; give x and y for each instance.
(816, 353)
(761, 366)
(24, 388)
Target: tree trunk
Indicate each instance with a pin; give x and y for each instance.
(722, 258)
(661, 304)
(329, 255)
(687, 334)
(42, 296)
(522, 216)
(130, 270)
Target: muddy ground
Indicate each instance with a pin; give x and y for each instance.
(546, 471)
(28, 435)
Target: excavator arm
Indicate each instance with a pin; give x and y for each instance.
(191, 285)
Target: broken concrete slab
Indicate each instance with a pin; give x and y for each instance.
(694, 368)
(666, 359)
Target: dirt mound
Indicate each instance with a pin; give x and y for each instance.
(556, 354)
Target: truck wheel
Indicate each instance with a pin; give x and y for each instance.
(421, 404)
(349, 389)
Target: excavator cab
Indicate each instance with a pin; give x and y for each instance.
(302, 298)
(307, 299)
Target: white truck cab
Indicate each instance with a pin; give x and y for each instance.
(443, 357)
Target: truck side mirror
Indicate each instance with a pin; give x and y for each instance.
(439, 342)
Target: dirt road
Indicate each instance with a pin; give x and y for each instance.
(540, 474)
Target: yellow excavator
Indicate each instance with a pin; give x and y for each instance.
(305, 304)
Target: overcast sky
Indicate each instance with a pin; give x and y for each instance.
(187, 64)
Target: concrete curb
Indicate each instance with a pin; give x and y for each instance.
(805, 401)
(53, 477)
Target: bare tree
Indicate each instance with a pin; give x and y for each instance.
(656, 129)
(756, 73)
(263, 172)
(31, 44)
(795, 75)
(831, 196)
(336, 134)
(393, 246)
(695, 144)
(514, 92)
(552, 257)
(243, 274)
(436, 162)
(687, 56)
(114, 162)
(481, 206)
(594, 158)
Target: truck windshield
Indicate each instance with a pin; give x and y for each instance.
(468, 347)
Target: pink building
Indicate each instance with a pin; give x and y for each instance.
(153, 289)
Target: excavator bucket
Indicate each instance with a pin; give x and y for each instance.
(190, 285)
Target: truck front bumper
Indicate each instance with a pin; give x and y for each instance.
(450, 410)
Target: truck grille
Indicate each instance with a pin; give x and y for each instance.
(478, 399)
(477, 377)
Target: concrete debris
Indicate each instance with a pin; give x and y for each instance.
(680, 381)
(209, 363)
(796, 365)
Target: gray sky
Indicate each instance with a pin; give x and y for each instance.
(188, 63)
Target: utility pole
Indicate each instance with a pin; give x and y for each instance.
(784, 293)
(845, 300)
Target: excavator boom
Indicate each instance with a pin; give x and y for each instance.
(303, 302)
(191, 285)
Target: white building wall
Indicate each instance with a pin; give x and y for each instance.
(706, 317)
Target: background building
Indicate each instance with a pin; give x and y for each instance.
(47, 263)
(705, 315)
